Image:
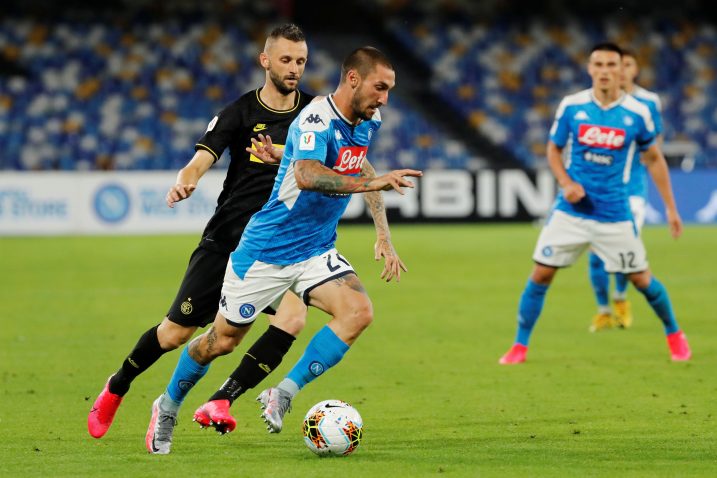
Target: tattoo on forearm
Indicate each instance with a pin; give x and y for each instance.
(374, 200)
(321, 179)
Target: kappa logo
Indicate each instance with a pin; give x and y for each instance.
(337, 135)
(259, 127)
(313, 119)
(223, 302)
(580, 115)
(601, 136)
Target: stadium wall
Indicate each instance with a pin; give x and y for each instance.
(60, 203)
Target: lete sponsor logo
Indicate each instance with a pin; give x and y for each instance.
(350, 159)
(601, 136)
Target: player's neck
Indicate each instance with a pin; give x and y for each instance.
(629, 88)
(275, 100)
(606, 97)
(342, 100)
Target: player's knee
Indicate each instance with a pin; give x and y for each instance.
(641, 280)
(362, 315)
(172, 336)
(291, 323)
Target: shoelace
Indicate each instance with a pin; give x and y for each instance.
(165, 426)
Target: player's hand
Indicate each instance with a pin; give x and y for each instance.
(573, 192)
(675, 222)
(179, 192)
(393, 265)
(265, 150)
(394, 180)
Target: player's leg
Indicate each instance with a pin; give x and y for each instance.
(265, 355)
(623, 251)
(331, 285)
(561, 242)
(194, 306)
(623, 308)
(249, 287)
(529, 308)
(658, 298)
(600, 281)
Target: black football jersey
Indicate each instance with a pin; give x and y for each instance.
(249, 181)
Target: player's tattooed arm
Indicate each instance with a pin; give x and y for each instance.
(374, 201)
(383, 247)
(314, 176)
(311, 175)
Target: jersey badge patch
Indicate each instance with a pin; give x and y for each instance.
(307, 141)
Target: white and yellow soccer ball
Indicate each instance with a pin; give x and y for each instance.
(332, 427)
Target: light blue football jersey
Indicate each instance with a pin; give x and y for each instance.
(638, 176)
(295, 225)
(601, 144)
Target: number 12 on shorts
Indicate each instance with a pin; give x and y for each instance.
(627, 260)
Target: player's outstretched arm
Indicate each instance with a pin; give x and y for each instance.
(657, 167)
(189, 176)
(265, 150)
(311, 175)
(383, 248)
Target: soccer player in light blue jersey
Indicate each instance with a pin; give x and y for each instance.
(289, 243)
(600, 128)
(621, 316)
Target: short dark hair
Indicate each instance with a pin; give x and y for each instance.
(289, 31)
(630, 53)
(364, 60)
(607, 46)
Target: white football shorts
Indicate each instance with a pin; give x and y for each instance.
(565, 237)
(264, 285)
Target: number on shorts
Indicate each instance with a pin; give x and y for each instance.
(627, 260)
(334, 268)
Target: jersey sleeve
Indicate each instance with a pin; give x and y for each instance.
(560, 129)
(656, 110)
(220, 131)
(646, 134)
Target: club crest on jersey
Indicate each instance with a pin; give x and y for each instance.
(601, 136)
(350, 160)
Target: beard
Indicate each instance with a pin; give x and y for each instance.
(279, 83)
(359, 110)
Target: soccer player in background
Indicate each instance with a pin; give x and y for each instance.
(601, 126)
(289, 244)
(637, 192)
(269, 111)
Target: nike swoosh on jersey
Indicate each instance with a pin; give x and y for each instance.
(259, 127)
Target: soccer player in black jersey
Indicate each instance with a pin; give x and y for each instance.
(264, 113)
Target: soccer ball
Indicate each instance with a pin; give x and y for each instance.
(332, 427)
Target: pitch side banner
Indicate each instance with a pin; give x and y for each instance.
(47, 203)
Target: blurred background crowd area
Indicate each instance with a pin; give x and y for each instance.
(132, 84)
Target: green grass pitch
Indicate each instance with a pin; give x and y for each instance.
(424, 376)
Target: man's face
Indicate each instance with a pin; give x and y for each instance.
(629, 70)
(286, 63)
(605, 69)
(372, 91)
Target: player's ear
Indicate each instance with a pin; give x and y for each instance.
(353, 78)
(264, 60)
